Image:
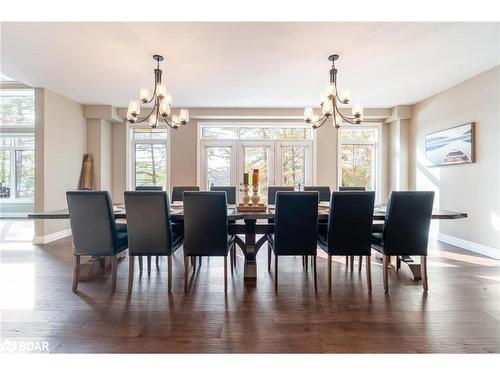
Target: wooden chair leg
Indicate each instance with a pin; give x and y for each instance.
(114, 272)
(398, 263)
(346, 262)
(193, 263)
(130, 272)
(76, 272)
(303, 261)
(351, 261)
(276, 273)
(199, 261)
(306, 259)
(360, 263)
(186, 269)
(329, 273)
(269, 259)
(225, 274)
(149, 264)
(140, 264)
(423, 271)
(157, 261)
(231, 256)
(386, 273)
(368, 267)
(169, 268)
(315, 274)
(233, 260)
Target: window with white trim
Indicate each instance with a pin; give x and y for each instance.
(359, 156)
(150, 157)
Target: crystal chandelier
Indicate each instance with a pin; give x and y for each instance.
(329, 103)
(162, 104)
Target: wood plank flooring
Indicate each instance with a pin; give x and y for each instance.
(460, 314)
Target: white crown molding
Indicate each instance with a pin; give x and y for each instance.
(469, 245)
(51, 237)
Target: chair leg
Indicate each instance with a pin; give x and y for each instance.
(346, 262)
(360, 263)
(423, 270)
(76, 272)
(315, 274)
(386, 273)
(169, 267)
(306, 259)
(199, 261)
(193, 263)
(276, 273)
(303, 261)
(157, 261)
(225, 274)
(329, 273)
(351, 261)
(233, 260)
(398, 263)
(130, 272)
(113, 272)
(368, 267)
(140, 264)
(186, 269)
(149, 264)
(231, 256)
(269, 259)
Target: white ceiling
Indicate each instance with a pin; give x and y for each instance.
(248, 64)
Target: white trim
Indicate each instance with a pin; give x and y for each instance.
(42, 240)
(469, 245)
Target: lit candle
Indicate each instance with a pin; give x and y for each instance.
(255, 177)
(245, 178)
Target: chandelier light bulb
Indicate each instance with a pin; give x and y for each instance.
(357, 110)
(144, 95)
(345, 96)
(175, 119)
(308, 114)
(327, 107)
(330, 91)
(168, 99)
(134, 108)
(184, 116)
(153, 120)
(164, 108)
(315, 118)
(161, 91)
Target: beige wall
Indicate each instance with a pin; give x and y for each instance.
(60, 142)
(100, 145)
(471, 188)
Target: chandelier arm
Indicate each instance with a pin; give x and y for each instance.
(350, 120)
(165, 120)
(142, 119)
(153, 96)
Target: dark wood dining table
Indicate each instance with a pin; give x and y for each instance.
(248, 225)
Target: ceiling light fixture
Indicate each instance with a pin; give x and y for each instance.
(330, 102)
(162, 104)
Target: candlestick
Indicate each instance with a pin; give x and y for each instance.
(245, 178)
(255, 177)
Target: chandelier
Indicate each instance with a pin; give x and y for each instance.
(329, 103)
(162, 104)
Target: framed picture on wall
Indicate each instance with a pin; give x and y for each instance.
(451, 146)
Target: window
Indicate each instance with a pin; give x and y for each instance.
(282, 153)
(17, 107)
(149, 157)
(359, 156)
(17, 167)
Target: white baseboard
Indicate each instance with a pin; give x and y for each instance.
(469, 245)
(41, 240)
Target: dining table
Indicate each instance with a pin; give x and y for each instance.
(251, 229)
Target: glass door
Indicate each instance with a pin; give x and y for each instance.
(257, 155)
(294, 164)
(218, 164)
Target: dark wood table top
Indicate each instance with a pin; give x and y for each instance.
(233, 214)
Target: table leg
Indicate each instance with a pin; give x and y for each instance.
(250, 270)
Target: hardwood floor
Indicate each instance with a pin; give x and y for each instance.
(461, 312)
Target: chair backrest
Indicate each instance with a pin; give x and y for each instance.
(296, 223)
(407, 221)
(352, 188)
(178, 191)
(324, 192)
(272, 190)
(205, 223)
(92, 222)
(350, 222)
(149, 188)
(230, 192)
(148, 223)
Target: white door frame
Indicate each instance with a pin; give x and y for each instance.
(204, 144)
(307, 144)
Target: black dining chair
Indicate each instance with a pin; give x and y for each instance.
(94, 230)
(156, 236)
(271, 195)
(178, 191)
(324, 192)
(149, 188)
(349, 229)
(406, 230)
(230, 192)
(295, 228)
(206, 228)
(352, 188)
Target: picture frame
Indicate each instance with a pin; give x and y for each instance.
(452, 146)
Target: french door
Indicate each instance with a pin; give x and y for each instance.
(280, 163)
